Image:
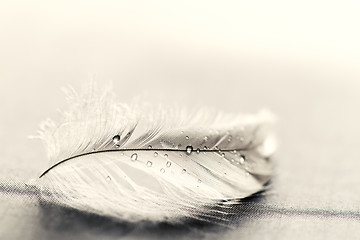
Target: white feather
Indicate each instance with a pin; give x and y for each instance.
(150, 172)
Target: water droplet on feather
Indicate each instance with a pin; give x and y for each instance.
(116, 139)
(242, 159)
(134, 157)
(189, 149)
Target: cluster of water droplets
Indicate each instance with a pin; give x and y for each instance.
(188, 150)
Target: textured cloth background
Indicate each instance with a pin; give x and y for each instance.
(301, 61)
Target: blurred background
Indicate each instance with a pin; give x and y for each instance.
(300, 59)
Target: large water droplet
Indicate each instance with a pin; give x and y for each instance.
(162, 170)
(189, 149)
(155, 154)
(183, 171)
(116, 139)
(134, 157)
(108, 178)
(149, 164)
(168, 164)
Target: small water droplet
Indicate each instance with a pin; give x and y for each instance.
(122, 153)
(162, 170)
(223, 155)
(108, 178)
(168, 164)
(165, 155)
(206, 138)
(199, 181)
(247, 174)
(183, 171)
(182, 132)
(198, 150)
(149, 164)
(242, 159)
(242, 139)
(216, 148)
(205, 147)
(187, 137)
(234, 151)
(229, 139)
(149, 147)
(117, 146)
(232, 160)
(116, 138)
(134, 157)
(155, 154)
(189, 149)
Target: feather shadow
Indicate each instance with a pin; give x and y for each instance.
(60, 219)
